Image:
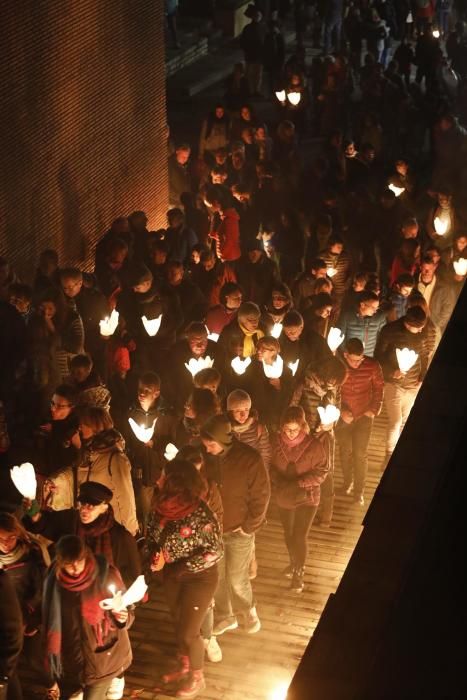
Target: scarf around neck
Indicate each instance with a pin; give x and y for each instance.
(14, 556)
(296, 441)
(97, 534)
(174, 507)
(249, 347)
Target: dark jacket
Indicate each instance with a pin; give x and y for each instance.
(27, 575)
(244, 487)
(11, 630)
(270, 401)
(365, 328)
(395, 335)
(254, 434)
(256, 279)
(179, 180)
(305, 464)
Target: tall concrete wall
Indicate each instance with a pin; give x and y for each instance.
(83, 123)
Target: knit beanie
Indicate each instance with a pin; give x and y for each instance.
(237, 397)
(219, 429)
(415, 317)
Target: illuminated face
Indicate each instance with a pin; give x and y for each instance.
(410, 231)
(368, 308)
(89, 512)
(21, 305)
(219, 112)
(80, 374)
(86, 431)
(212, 447)
(143, 287)
(183, 156)
(71, 287)
(195, 257)
(354, 361)
(293, 333)
(175, 275)
(427, 271)
(245, 114)
(444, 200)
(461, 242)
(8, 541)
(265, 354)
(251, 323)
(233, 301)
(241, 412)
(198, 344)
(319, 273)
(218, 178)
(47, 309)
(260, 133)
(358, 285)
(336, 248)
(75, 568)
(405, 291)
(402, 167)
(279, 300)
(147, 395)
(351, 151)
(291, 430)
(60, 408)
(325, 312)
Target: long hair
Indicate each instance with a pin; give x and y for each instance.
(10, 523)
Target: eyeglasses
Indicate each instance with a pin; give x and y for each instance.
(89, 506)
(60, 405)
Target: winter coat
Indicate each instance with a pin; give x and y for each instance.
(244, 487)
(365, 328)
(270, 401)
(227, 236)
(214, 135)
(11, 631)
(309, 394)
(256, 279)
(179, 180)
(304, 465)
(363, 388)
(395, 335)
(442, 302)
(108, 464)
(27, 575)
(254, 434)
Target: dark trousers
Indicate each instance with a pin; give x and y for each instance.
(296, 525)
(188, 598)
(353, 439)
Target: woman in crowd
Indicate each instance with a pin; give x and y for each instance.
(299, 466)
(184, 540)
(279, 303)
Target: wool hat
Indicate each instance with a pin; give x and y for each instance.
(94, 493)
(415, 317)
(219, 429)
(237, 397)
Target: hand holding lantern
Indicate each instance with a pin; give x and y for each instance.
(275, 370)
(276, 330)
(335, 338)
(460, 267)
(397, 190)
(143, 434)
(195, 365)
(329, 414)
(441, 225)
(240, 366)
(331, 271)
(294, 98)
(406, 359)
(121, 601)
(24, 478)
(170, 451)
(152, 325)
(109, 324)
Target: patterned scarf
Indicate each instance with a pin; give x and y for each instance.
(249, 347)
(91, 585)
(12, 557)
(97, 534)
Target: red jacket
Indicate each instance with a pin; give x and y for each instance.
(363, 388)
(228, 236)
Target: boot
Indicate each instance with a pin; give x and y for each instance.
(192, 688)
(179, 673)
(298, 583)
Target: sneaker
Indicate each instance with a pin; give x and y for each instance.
(115, 692)
(252, 621)
(225, 625)
(194, 687)
(288, 571)
(213, 650)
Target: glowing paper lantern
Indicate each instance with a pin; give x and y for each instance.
(460, 267)
(195, 365)
(213, 336)
(170, 451)
(276, 330)
(331, 271)
(24, 478)
(441, 225)
(239, 366)
(152, 325)
(293, 366)
(294, 98)
(397, 190)
(280, 94)
(329, 414)
(436, 33)
(142, 433)
(121, 601)
(335, 338)
(108, 325)
(275, 370)
(406, 359)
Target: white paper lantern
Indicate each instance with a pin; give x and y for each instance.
(280, 94)
(195, 365)
(460, 267)
(152, 325)
(275, 370)
(121, 601)
(406, 359)
(328, 415)
(293, 366)
(108, 325)
(441, 225)
(335, 338)
(240, 366)
(276, 330)
(213, 336)
(24, 478)
(294, 98)
(331, 271)
(142, 433)
(170, 451)
(397, 190)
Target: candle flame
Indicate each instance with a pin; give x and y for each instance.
(109, 324)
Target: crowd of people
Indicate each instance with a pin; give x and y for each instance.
(203, 373)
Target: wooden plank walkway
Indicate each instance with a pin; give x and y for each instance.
(254, 667)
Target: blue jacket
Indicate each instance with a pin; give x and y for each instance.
(366, 328)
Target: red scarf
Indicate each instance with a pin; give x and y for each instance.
(296, 441)
(174, 507)
(97, 534)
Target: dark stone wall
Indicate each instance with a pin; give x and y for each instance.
(83, 123)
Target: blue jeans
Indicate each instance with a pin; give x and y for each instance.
(234, 595)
